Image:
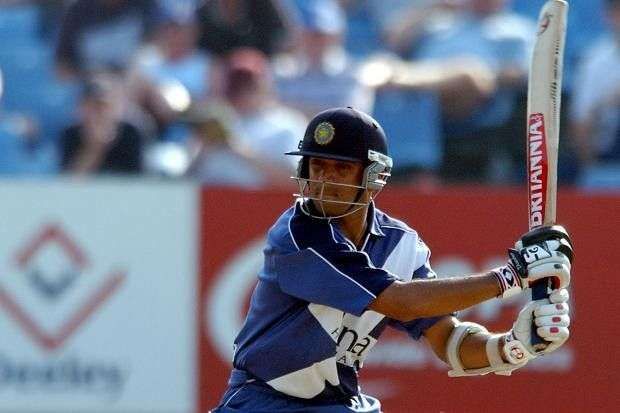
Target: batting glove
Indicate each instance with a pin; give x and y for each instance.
(545, 252)
(552, 319)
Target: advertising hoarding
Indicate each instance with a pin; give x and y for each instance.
(468, 231)
(97, 299)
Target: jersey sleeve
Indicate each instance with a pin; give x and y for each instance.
(423, 262)
(415, 328)
(335, 276)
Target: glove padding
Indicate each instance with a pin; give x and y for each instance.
(545, 252)
(552, 319)
(546, 233)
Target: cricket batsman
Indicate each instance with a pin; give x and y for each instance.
(338, 271)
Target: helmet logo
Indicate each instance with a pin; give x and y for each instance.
(324, 133)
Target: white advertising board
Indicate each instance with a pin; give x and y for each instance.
(97, 296)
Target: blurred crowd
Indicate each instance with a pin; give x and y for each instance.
(217, 90)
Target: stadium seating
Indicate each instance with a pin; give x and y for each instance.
(18, 23)
(30, 87)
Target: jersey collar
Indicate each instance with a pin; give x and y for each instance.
(374, 228)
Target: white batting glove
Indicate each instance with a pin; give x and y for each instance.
(542, 253)
(552, 318)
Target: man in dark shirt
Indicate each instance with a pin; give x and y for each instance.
(100, 142)
(226, 25)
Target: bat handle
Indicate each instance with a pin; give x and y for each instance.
(540, 290)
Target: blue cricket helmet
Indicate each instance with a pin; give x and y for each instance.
(349, 135)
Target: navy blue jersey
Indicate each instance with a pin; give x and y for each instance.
(309, 329)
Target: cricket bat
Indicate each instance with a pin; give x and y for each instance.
(543, 126)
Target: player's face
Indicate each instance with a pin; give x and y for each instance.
(329, 172)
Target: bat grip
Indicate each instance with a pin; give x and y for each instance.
(540, 290)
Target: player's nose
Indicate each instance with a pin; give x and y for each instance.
(326, 174)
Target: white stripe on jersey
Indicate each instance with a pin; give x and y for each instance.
(329, 318)
(309, 382)
(401, 261)
(291, 232)
(351, 333)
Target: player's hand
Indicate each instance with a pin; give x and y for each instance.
(545, 252)
(552, 319)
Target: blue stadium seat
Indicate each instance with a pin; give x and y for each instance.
(24, 70)
(600, 177)
(30, 87)
(53, 105)
(20, 156)
(362, 36)
(411, 121)
(26, 63)
(18, 23)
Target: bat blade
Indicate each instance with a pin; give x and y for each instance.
(543, 125)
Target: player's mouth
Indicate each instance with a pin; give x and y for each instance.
(324, 194)
(321, 190)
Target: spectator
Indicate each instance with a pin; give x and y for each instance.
(226, 25)
(267, 128)
(492, 47)
(175, 55)
(214, 159)
(101, 142)
(408, 103)
(319, 74)
(596, 106)
(102, 35)
(242, 139)
(172, 72)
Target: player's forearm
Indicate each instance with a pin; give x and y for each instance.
(473, 352)
(406, 301)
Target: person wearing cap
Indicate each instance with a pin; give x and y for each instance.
(338, 271)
